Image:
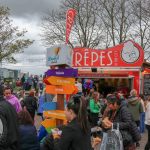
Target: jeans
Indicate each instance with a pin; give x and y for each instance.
(142, 125)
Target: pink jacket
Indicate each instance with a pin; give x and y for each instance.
(15, 102)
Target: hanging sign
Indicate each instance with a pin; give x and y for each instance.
(66, 89)
(69, 72)
(59, 55)
(69, 22)
(146, 84)
(60, 80)
(128, 54)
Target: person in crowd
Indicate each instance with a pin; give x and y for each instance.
(18, 83)
(142, 115)
(79, 86)
(35, 82)
(89, 94)
(40, 83)
(135, 107)
(42, 100)
(76, 134)
(119, 114)
(12, 99)
(147, 122)
(88, 97)
(27, 132)
(21, 95)
(94, 109)
(8, 125)
(30, 82)
(23, 79)
(30, 102)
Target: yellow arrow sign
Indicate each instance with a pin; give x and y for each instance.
(65, 89)
(60, 80)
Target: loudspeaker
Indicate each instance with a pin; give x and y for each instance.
(94, 69)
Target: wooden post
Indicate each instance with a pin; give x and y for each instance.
(60, 97)
(60, 106)
(60, 101)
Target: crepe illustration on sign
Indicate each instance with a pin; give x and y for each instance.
(130, 53)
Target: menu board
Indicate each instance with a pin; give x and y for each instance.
(146, 88)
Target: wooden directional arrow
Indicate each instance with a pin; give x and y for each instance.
(60, 80)
(65, 72)
(65, 89)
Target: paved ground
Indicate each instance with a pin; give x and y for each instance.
(142, 142)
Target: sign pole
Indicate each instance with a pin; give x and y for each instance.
(60, 106)
(60, 103)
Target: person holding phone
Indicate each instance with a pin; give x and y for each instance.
(76, 135)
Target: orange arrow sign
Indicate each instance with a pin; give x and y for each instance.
(60, 80)
(65, 89)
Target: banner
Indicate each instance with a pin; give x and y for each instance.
(69, 22)
(128, 54)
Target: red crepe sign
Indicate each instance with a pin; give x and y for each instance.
(128, 54)
(69, 22)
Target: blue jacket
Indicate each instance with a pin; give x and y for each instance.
(41, 102)
(42, 133)
(28, 138)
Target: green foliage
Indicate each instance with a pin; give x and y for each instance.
(12, 40)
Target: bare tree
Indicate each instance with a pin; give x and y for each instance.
(141, 29)
(87, 30)
(117, 19)
(12, 40)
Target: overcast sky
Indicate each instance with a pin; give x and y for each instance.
(26, 14)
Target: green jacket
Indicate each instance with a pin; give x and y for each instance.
(135, 107)
(94, 107)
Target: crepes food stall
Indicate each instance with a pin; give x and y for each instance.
(120, 64)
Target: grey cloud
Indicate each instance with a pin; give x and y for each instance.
(24, 8)
(35, 49)
(27, 14)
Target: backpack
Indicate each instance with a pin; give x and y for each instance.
(112, 140)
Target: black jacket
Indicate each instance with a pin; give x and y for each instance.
(73, 138)
(31, 103)
(8, 118)
(126, 122)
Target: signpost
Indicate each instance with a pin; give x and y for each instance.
(60, 89)
(66, 72)
(59, 55)
(61, 80)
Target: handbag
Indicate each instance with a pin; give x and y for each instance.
(112, 140)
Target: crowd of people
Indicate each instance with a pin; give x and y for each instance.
(83, 113)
